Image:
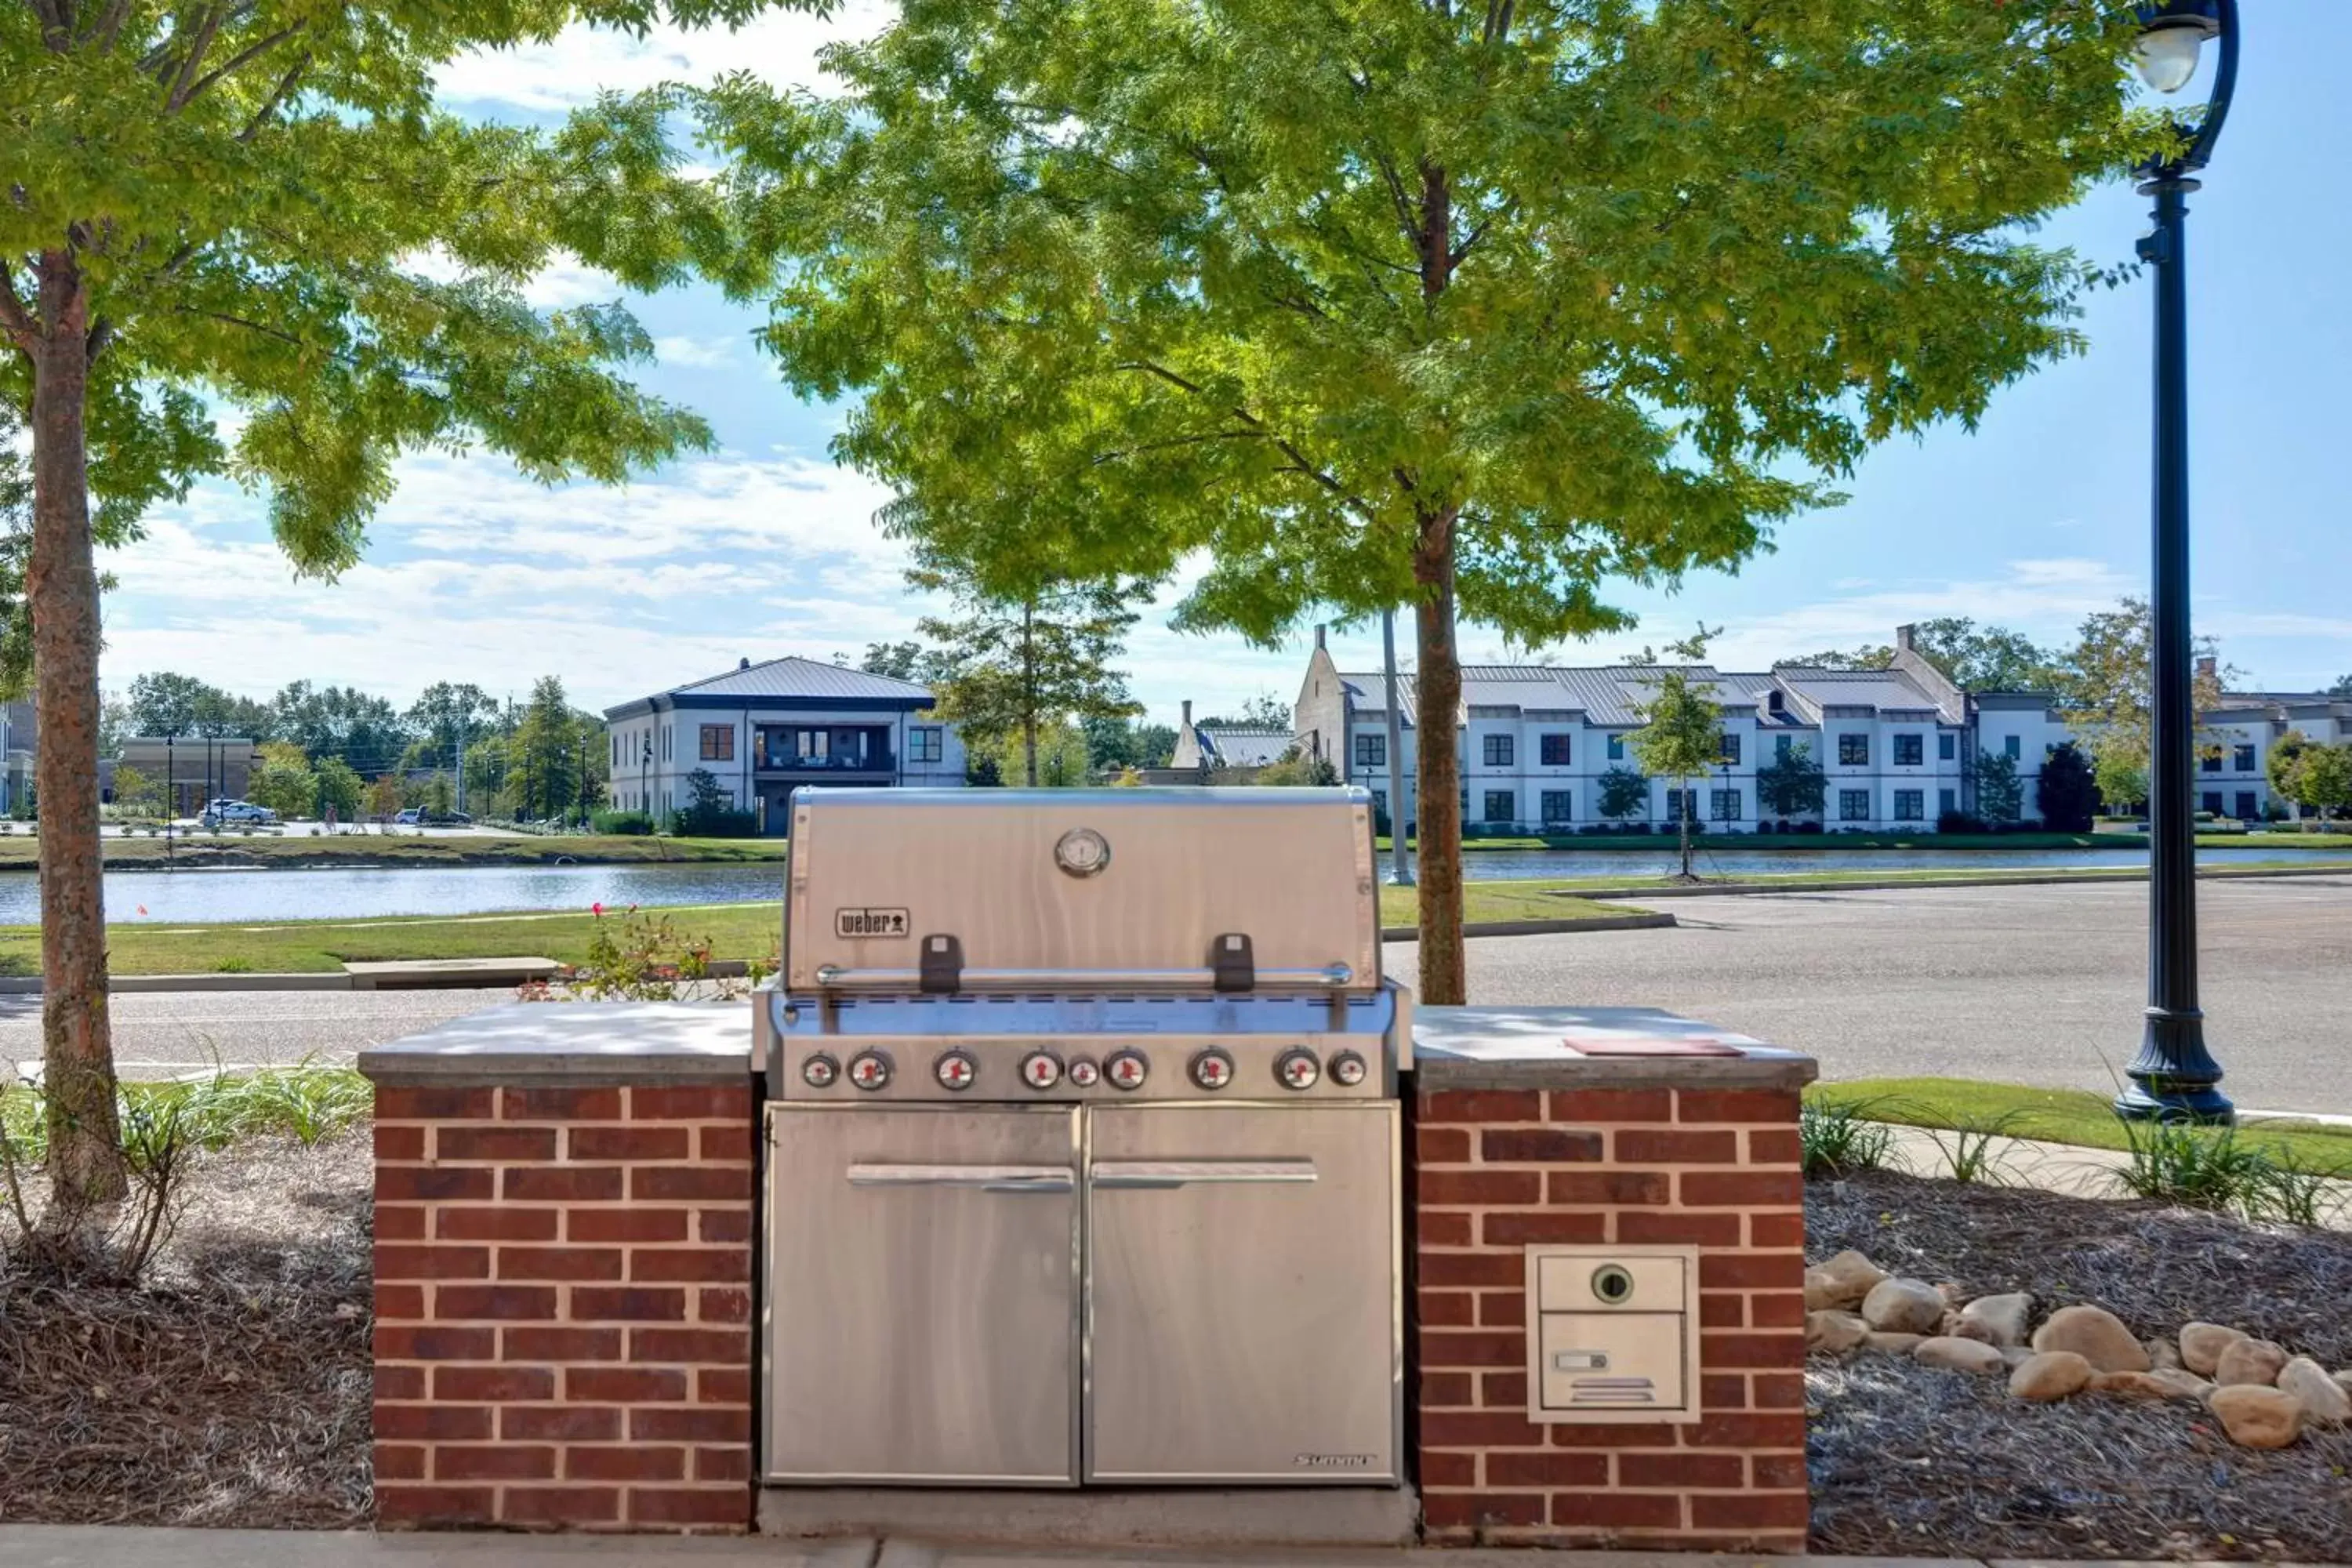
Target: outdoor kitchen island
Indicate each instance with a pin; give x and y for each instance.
(1109, 1197)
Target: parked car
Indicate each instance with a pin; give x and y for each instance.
(412, 818)
(222, 812)
(445, 819)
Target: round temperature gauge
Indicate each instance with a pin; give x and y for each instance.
(1041, 1070)
(1084, 1073)
(1127, 1069)
(870, 1070)
(1297, 1070)
(820, 1071)
(1347, 1069)
(955, 1070)
(1211, 1070)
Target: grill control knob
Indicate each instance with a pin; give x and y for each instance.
(1347, 1069)
(1084, 1073)
(1127, 1069)
(1213, 1069)
(870, 1070)
(1297, 1068)
(820, 1070)
(955, 1070)
(1041, 1070)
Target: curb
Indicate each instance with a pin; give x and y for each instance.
(1993, 880)
(1647, 922)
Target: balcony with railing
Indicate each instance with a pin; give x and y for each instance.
(809, 751)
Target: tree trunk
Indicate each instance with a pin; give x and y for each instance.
(85, 1162)
(1444, 982)
(1029, 690)
(1684, 823)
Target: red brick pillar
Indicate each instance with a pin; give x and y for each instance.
(563, 1301)
(1635, 1153)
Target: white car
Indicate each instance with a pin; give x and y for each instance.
(241, 810)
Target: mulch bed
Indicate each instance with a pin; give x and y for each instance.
(234, 1391)
(1912, 1460)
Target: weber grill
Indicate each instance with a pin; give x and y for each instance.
(1082, 1142)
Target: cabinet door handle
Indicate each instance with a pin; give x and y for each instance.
(1122, 1173)
(984, 1178)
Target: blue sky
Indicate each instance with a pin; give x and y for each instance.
(764, 548)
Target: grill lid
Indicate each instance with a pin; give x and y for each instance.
(1181, 889)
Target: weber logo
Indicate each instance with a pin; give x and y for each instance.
(869, 922)
(1332, 1461)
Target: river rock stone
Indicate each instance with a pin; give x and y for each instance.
(1835, 1332)
(2324, 1400)
(1956, 1354)
(2003, 1317)
(2131, 1385)
(1904, 1307)
(1893, 1344)
(1843, 1281)
(2095, 1334)
(2162, 1354)
(2345, 1377)
(2182, 1383)
(2202, 1346)
(2258, 1417)
(2015, 1356)
(2049, 1374)
(2254, 1364)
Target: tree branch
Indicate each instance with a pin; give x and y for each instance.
(14, 317)
(108, 25)
(251, 52)
(178, 98)
(1280, 443)
(278, 95)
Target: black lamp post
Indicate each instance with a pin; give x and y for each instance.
(2173, 1077)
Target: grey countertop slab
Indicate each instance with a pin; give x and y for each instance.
(1534, 1047)
(574, 1042)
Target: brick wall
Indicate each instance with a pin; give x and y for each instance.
(1500, 1168)
(563, 1305)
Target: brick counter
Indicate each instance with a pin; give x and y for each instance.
(563, 1220)
(1518, 1143)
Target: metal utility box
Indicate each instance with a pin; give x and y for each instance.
(1614, 1333)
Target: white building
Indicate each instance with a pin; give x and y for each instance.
(2233, 775)
(765, 729)
(1207, 746)
(1536, 741)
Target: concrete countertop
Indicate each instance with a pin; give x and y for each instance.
(1535, 1047)
(574, 1042)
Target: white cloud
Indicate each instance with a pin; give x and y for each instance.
(696, 352)
(780, 47)
(569, 282)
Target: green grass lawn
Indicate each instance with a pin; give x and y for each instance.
(1665, 842)
(298, 848)
(2049, 1115)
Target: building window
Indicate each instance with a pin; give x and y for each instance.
(1553, 747)
(1616, 748)
(1946, 800)
(1727, 805)
(616, 749)
(1910, 806)
(1910, 751)
(1677, 803)
(1498, 755)
(719, 742)
(1854, 751)
(665, 736)
(1946, 748)
(1372, 750)
(2010, 748)
(2210, 761)
(925, 743)
(2242, 758)
(1502, 806)
(1853, 805)
(2248, 808)
(1726, 748)
(2209, 802)
(1380, 803)
(1559, 807)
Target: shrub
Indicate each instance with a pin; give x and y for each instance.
(2197, 1167)
(1961, 822)
(623, 822)
(1837, 1139)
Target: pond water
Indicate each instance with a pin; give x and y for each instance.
(196, 896)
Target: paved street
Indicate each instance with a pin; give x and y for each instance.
(2027, 984)
(2039, 984)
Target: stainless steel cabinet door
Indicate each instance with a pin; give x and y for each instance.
(922, 1295)
(1243, 1319)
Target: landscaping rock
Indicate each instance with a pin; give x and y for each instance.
(2162, 1354)
(1843, 1281)
(2202, 1346)
(2132, 1385)
(1959, 1328)
(2324, 1400)
(2015, 1356)
(2182, 1383)
(2003, 1317)
(1957, 1354)
(2095, 1334)
(2250, 1363)
(1835, 1332)
(2049, 1374)
(1893, 1344)
(2345, 1378)
(2258, 1417)
(1904, 1307)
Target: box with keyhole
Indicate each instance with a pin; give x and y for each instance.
(1612, 1334)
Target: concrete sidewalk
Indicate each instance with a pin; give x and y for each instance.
(61, 1546)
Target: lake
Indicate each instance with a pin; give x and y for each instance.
(214, 895)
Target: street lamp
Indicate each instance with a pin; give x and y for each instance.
(2173, 1077)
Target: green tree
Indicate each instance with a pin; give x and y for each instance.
(1465, 307)
(163, 703)
(2283, 768)
(445, 719)
(363, 730)
(1295, 769)
(899, 660)
(550, 756)
(2001, 794)
(1123, 743)
(1682, 729)
(282, 780)
(134, 791)
(216, 208)
(1973, 658)
(2122, 778)
(2105, 684)
(2343, 686)
(1262, 711)
(1625, 791)
(2067, 795)
(15, 555)
(339, 785)
(1792, 783)
(1055, 758)
(1011, 668)
(2326, 778)
(387, 794)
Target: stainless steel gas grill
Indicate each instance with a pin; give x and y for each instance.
(1082, 1163)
